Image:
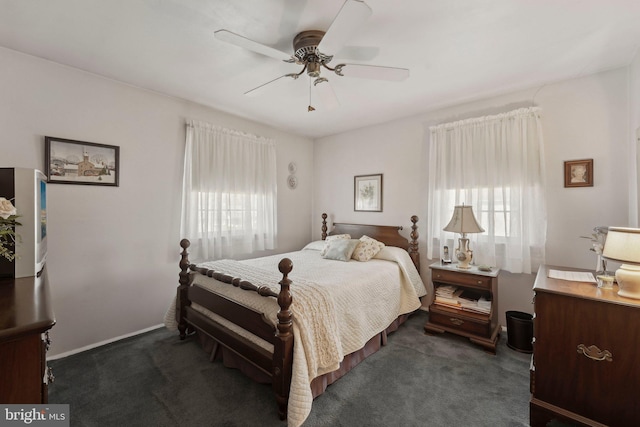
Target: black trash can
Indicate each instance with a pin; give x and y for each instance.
(520, 331)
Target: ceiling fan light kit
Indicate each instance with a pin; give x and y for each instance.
(311, 50)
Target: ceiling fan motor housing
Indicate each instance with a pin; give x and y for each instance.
(305, 47)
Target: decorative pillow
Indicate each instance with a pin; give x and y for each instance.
(340, 249)
(331, 238)
(316, 245)
(367, 248)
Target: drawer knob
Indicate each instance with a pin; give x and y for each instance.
(456, 321)
(479, 282)
(594, 353)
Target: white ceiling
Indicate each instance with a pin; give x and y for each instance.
(456, 50)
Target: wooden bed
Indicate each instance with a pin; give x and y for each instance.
(276, 366)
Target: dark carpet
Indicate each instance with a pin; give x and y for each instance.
(154, 379)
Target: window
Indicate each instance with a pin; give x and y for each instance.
(229, 199)
(228, 213)
(496, 165)
(494, 210)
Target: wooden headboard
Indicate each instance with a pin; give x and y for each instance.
(387, 234)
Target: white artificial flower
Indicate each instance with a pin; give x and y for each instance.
(6, 208)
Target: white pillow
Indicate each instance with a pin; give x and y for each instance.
(334, 237)
(340, 249)
(316, 245)
(367, 248)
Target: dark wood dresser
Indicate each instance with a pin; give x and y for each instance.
(585, 367)
(26, 316)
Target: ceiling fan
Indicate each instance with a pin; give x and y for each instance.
(314, 49)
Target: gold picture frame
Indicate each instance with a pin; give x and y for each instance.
(578, 173)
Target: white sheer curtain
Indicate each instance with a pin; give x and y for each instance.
(229, 192)
(496, 165)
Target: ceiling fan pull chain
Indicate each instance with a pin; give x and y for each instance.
(310, 108)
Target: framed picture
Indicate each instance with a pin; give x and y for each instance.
(578, 173)
(79, 162)
(367, 193)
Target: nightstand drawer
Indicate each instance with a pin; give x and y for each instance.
(462, 279)
(457, 320)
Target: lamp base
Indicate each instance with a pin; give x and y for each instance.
(464, 255)
(628, 278)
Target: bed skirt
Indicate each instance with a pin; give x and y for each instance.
(319, 384)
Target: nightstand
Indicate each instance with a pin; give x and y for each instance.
(481, 327)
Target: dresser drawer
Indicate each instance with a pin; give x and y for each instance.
(458, 320)
(573, 375)
(461, 279)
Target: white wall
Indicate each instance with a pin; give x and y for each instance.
(582, 118)
(634, 139)
(113, 251)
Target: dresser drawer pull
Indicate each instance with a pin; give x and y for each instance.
(49, 377)
(593, 352)
(47, 341)
(456, 321)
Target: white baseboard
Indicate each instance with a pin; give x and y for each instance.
(101, 343)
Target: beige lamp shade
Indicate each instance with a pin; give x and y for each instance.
(623, 245)
(463, 221)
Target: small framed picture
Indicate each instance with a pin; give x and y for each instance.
(78, 162)
(578, 173)
(367, 193)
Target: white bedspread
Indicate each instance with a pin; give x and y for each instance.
(338, 306)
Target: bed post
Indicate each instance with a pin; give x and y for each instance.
(181, 299)
(324, 226)
(283, 347)
(413, 245)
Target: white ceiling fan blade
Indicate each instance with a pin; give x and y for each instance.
(258, 90)
(238, 40)
(374, 72)
(326, 94)
(352, 14)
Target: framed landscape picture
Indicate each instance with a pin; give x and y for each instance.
(367, 193)
(78, 162)
(578, 173)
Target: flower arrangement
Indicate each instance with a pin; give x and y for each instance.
(8, 223)
(598, 238)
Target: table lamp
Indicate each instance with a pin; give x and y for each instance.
(463, 221)
(623, 245)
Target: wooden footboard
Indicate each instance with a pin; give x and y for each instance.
(278, 364)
